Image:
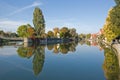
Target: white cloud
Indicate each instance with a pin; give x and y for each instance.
(34, 4)
(9, 25)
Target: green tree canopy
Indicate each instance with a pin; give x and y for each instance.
(22, 31)
(25, 31)
(39, 22)
(64, 33)
(88, 36)
(111, 28)
(117, 2)
(72, 32)
(50, 34)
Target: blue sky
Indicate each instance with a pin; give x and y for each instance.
(87, 16)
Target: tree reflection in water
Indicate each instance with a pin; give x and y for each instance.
(39, 55)
(38, 60)
(64, 48)
(110, 65)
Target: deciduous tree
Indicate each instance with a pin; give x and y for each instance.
(39, 22)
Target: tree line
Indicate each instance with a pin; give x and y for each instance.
(38, 31)
(8, 34)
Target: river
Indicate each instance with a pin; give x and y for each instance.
(66, 61)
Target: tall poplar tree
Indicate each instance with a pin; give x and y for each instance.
(39, 22)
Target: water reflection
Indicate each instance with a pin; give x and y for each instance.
(38, 53)
(110, 64)
(63, 48)
(38, 60)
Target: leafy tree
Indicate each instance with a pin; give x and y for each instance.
(72, 32)
(30, 31)
(2, 33)
(25, 31)
(44, 35)
(13, 35)
(111, 28)
(117, 2)
(82, 36)
(50, 34)
(22, 31)
(64, 33)
(39, 22)
(88, 36)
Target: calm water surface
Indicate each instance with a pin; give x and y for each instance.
(71, 61)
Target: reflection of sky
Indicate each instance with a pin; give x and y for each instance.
(8, 51)
(12, 66)
(84, 64)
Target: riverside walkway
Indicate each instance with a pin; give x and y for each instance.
(117, 48)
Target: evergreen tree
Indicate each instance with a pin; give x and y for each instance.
(39, 22)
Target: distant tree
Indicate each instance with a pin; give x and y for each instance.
(50, 34)
(39, 22)
(13, 35)
(88, 36)
(82, 36)
(64, 33)
(76, 36)
(72, 32)
(2, 33)
(44, 35)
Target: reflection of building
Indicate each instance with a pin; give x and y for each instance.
(94, 43)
